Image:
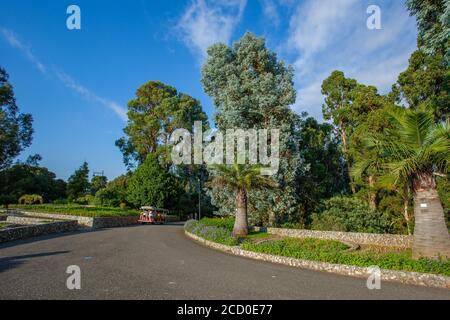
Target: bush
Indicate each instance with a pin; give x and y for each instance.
(61, 201)
(85, 200)
(226, 223)
(349, 215)
(211, 233)
(29, 199)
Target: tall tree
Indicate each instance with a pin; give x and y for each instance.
(326, 175)
(98, 183)
(154, 114)
(152, 185)
(252, 89)
(78, 183)
(241, 179)
(16, 130)
(414, 151)
(337, 107)
(425, 84)
(433, 20)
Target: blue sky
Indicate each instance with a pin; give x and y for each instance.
(77, 83)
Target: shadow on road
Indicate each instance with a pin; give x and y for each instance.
(12, 262)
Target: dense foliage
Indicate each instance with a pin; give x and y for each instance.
(21, 179)
(16, 130)
(349, 214)
(151, 185)
(252, 89)
(78, 183)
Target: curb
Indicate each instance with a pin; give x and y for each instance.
(405, 277)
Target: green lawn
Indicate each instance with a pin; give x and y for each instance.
(77, 210)
(336, 252)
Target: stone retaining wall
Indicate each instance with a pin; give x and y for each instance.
(414, 278)
(25, 220)
(385, 240)
(90, 222)
(37, 230)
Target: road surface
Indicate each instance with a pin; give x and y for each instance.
(159, 262)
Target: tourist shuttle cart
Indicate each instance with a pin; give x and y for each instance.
(153, 215)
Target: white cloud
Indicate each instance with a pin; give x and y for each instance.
(270, 11)
(205, 23)
(85, 93)
(68, 81)
(14, 42)
(332, 35)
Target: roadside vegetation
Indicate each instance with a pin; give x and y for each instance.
(77, 210)
(219, 230)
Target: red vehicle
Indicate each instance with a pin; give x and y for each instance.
(153, 215)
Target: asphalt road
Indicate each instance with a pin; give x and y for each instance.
(159, 262)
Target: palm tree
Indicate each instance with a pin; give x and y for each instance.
(240, 178)
(413, 151)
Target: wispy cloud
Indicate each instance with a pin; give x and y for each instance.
(205, 23)
(270, 10)
(64, 78)
(332, 35)
(88, 95)
(14, 42)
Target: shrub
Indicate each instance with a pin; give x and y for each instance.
(349, 214)
(29, 199)
(61, 201)
(85, 200)
(211, 233)
(123, 205)
(226, 223)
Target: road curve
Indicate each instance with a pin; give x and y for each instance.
(159, 262)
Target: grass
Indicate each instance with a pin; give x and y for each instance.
(3, 225)
(226, 223)
(77, 210)
(336, 252)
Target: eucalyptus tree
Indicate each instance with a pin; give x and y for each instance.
(433, 21)
(252, 89)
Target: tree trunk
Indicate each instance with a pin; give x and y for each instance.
(431, 237)
(406, 207)
(372, 195)
(272, 219)
(241, 224)
(345, 152)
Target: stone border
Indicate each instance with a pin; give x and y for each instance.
(17, 233)
(405, 277)
(384, 240)
(90, 222)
